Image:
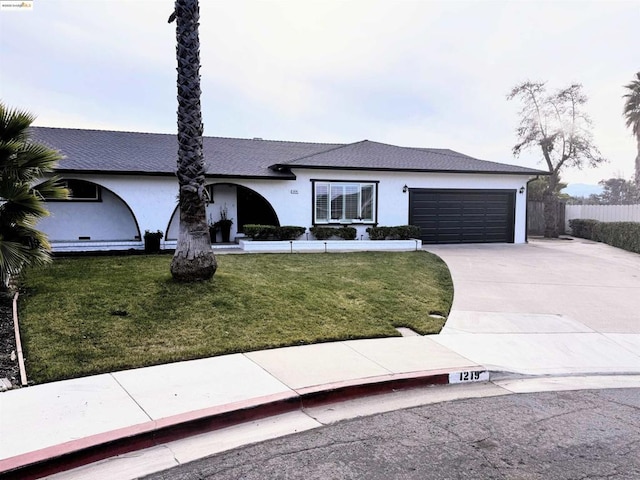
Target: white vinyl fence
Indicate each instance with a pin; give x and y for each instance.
(604, 213)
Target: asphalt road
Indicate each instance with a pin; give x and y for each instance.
(555, 435)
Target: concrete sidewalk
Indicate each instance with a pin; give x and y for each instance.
(55, 419)
(549, 307)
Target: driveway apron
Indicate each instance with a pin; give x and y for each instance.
(546, 307)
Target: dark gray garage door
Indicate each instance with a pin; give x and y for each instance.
(463, 216)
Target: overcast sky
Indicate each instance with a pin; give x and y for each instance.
(409, 73)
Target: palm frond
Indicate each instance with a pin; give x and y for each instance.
(631, 109)
(14, 124)
(23, 164)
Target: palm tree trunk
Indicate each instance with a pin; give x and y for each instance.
(193, 259)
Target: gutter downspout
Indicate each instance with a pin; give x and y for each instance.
(526, 206)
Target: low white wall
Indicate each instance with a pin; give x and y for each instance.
(89, 246)
(294, 246)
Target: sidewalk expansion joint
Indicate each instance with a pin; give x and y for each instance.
(131, 397)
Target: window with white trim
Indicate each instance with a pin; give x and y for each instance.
(80, 191)
(344, 202)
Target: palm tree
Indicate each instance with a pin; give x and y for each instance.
(193, 259)
(23, 164)
(632, 115)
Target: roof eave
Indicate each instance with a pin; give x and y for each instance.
(289, 176)
(416, 170)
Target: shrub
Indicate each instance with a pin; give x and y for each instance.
(405, 232)
(582, 228)
(322, 233)
(400, 232)
(378, 233)
(153, 235)
(346, 233)
(259, 232)
(289, 232)
(625, 235)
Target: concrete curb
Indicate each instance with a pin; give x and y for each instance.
(91, 449)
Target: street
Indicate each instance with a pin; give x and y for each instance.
(551, 435)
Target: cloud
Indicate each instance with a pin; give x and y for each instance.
(410, 73)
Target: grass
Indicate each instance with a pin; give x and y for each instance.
(82, 316)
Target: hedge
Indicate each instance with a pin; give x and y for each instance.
(625, 235)
(259, 232)
(323, 233)
(583, 228)
(289, 232)
(400, 232)
(268, 232)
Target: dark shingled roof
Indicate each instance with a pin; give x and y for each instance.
(369, 155)
(155, 154)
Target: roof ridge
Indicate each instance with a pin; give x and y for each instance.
(454, 153)
(258, 139)
(101, 130)
(175, 134)
(344, 145)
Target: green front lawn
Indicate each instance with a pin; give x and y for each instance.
(82, 316)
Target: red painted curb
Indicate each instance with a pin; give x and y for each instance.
(76, 453)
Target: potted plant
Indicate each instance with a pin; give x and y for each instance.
(152, 241)
(213, 230)
(224, 224)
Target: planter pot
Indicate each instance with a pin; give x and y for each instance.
(225, 232)
(151, 244)
(213, 233)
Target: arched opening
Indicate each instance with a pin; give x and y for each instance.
(243, 205)
(253, 208)
(92, 212)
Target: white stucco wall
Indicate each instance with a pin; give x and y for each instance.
(224, 197)
(108, 219)
(130, 205)
(293, 203)
(153, 200)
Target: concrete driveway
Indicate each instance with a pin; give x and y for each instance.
(550, 306)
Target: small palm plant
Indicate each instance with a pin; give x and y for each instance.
(25, 181)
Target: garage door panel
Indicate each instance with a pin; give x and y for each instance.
(463, 216)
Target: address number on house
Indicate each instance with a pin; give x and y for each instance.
(463, 377)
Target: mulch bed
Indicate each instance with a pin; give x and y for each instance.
(8, 368)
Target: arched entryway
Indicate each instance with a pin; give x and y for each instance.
(253, 208)
(242, 205)
(92, 212)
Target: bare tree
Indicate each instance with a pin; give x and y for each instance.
(556, 124)
(194, 259)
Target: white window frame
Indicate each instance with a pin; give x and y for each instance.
(97, 197)
(331, 186)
